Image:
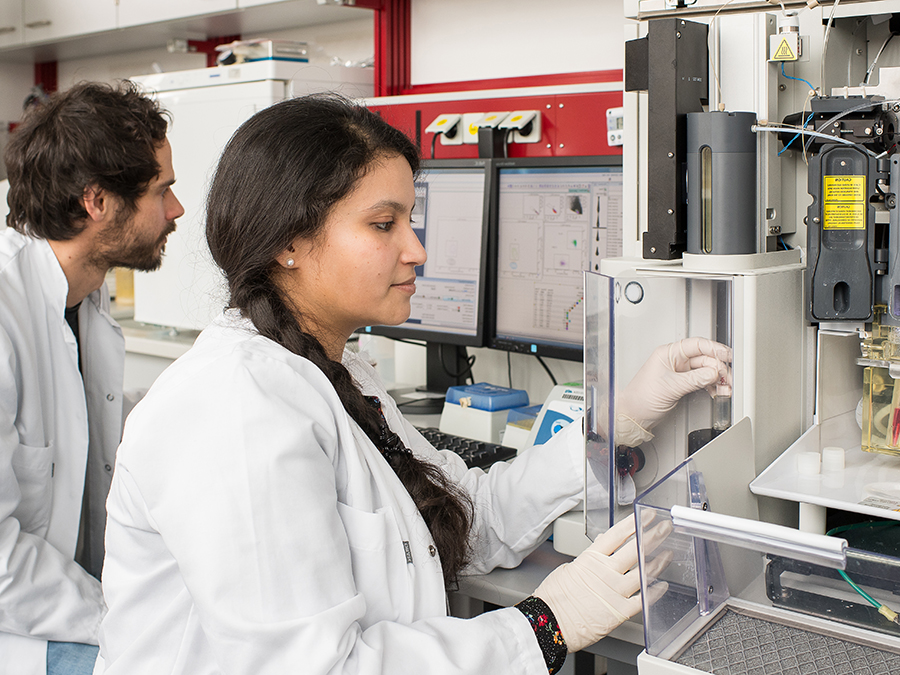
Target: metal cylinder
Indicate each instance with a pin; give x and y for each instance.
(721, 183)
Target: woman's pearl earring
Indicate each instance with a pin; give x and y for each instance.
(290, 262)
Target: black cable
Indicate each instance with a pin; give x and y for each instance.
(509, 368)
(470, 360)
(541, 361)
(433, 141)
(465, 372)
(405, 341)
(875, 60)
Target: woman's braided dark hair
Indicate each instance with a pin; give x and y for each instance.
(278, 179)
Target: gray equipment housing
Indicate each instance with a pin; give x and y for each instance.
(721, 183)
(841, 266)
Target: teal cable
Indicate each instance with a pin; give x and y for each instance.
(883, 609)
(873, 601)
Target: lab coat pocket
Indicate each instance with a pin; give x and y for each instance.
(33, 467)
(379, 563)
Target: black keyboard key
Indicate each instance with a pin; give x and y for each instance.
(473, 453)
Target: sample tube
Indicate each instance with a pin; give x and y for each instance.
(721, 412)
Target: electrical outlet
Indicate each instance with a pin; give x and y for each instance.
(525, 124)
(470, 124)
(449, 127)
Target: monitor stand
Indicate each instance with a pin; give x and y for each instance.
(445, 366)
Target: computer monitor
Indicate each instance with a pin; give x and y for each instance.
(447, 310)
(554, 218)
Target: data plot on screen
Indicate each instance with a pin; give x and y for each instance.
(520, 251)
(553, 223)
(566, 250)
(558, 308)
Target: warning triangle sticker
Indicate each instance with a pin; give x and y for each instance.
(784, 52)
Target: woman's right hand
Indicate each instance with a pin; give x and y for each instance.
(672, 371)
(601, 588)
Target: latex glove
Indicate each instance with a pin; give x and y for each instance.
(672, 371)
(600, 589)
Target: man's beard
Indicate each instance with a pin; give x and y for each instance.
(121, 246)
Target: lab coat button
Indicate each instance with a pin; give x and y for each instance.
(109, 397)
(107, 467)
(432, 551)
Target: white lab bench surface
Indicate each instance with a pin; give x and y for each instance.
(149, 349)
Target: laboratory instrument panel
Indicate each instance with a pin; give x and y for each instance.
(760, 211)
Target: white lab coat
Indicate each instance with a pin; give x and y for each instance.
(254, 528)
(4, 207)
(44, 431)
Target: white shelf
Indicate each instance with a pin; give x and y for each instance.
(869, 483)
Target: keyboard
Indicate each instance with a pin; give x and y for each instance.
(473, 453)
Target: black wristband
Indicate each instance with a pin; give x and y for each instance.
(546, 630)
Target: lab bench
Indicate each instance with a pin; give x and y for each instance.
(149, 349)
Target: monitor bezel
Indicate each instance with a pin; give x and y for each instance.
(491, 339)
(401, 332)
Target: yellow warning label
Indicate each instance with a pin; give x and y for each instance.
(784, 52)
(845, 216)
(844, 201)
(845, 189)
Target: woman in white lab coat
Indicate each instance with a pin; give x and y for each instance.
(271, 510)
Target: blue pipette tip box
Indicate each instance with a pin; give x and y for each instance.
(490, 397)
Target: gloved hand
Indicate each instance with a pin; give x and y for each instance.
(600, 589)
(672, 371)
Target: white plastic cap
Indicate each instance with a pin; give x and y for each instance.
(808, 463)
(832, 459)
(789, 21)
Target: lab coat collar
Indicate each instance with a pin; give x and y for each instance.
(232, 318)
(55, 286)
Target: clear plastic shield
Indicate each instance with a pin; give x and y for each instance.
(636, 430)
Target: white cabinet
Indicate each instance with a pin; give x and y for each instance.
(60, 30)
(207, 106)
(53, 19)
(139, 12)
(188, 291)
(11, 24)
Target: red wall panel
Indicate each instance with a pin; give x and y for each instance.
(572, 124)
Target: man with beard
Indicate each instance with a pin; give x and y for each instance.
(90, 174)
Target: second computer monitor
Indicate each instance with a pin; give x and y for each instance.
(553, 219)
